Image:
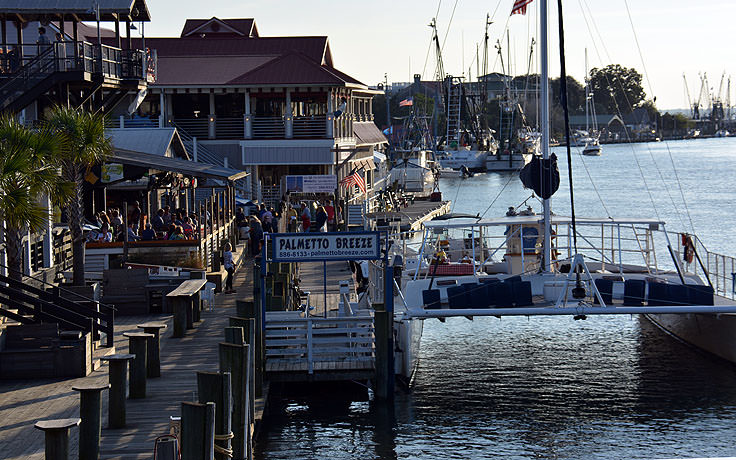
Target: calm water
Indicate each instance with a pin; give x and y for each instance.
(608, 387)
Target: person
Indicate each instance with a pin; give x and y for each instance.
(342, 107)
(132, 233)
(43, 43)
(330, 215)
(148, 234)
(229, 267)
(239, 217)
(134, 216)
(306, 217)
(177, 233)
(291, 216)
(60, 51)
(261, 211)
(267, 220)
(256, 235)
(167, 215)
(321, 219)
(158, 221)
(187, 228)
(104, 236)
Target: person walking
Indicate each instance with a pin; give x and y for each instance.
(321, 219)
(227, 257)
(306, 217)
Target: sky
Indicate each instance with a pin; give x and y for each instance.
(370, 40)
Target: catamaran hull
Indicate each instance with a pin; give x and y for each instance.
(715, 334)
(408, 337)
(500, 162)
(474, 160)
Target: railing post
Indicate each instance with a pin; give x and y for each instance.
(194, 148)
(122, 121)
(310, 362)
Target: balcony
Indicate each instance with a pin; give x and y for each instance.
(269, 127)
(314, 126)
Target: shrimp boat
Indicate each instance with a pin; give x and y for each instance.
(545, 264)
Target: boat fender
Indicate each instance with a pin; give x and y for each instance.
(688, 248)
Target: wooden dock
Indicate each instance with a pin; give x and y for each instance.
(414, 215)
(22, 403)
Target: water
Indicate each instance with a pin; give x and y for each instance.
(552, 388)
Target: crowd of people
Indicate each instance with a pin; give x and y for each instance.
(165, 225)
(317, 216)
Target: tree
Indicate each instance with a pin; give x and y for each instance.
(86, 146)
(575, 95)
(28, 171)
(618, 88)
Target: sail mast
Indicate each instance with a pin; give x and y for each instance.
(547, 252)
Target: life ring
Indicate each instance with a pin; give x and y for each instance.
(688, 248)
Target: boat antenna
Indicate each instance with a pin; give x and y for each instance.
(563, 102)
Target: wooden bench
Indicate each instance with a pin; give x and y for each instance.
(186, 304)
(41, 351)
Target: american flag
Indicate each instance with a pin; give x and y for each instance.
(354, 178)
(520, 6)
(406, 102)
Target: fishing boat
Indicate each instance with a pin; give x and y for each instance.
(592, 145)
(529, 264)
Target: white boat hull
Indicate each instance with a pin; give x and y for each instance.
(500, 161)
(408, 335)
(475, 160)
(715, 334)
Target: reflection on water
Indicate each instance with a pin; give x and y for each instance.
(608, 387)
(550, 388)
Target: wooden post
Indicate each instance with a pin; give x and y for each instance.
(215, 387)
(234, 335)
(254, 336)
(57, 437)
(234, 359)
(197, 431)
(179, 307)
(138, 345)
(382, 329)
(247, 325)
(153, 359)
(90, 411)
(118, 377)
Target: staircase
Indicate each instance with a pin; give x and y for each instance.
(454, 108)
(33, 79)
(25, 304)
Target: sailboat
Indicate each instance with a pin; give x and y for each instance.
(592, 145)
(529, 264)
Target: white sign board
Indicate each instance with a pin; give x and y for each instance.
(112, 172)
(311, 184)
(296, 247)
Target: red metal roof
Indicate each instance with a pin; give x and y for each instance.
(291, 69)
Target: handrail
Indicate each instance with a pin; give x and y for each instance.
(45, 283)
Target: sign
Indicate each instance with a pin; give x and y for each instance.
(112, 172)
(317, 247)
(311, 184)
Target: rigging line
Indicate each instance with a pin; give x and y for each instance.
(447, 32)
(651, 91)
(592, 182)
(431, 42)
(511, 176)
(563, 101)
(667, 189)
(618, 109)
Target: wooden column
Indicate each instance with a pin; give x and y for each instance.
(153, 359)
(90, 411)
(57, 437)
(129, 44)
(19, 33)
(118, 42)
(215, 387)
(138, 346)
(4, 33)
(118, 377)
(234, 359)
(197, 431)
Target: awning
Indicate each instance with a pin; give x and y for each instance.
(367, 133)
(189, 168)
(83, 10)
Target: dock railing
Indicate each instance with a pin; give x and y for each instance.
(309, 344)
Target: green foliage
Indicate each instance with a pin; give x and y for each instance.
(86, 143)
(617, 88)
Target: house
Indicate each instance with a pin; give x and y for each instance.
(271, 106)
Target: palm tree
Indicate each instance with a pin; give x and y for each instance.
(87, 146)
(28, 170)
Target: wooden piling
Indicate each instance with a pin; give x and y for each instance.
(197, 431)
(153, 358)
(179, 308)
(382, 326)
(234, 335)
(138, 347)
(57, 437)
(90, 412)
(118, 378)
(215, 387)
(255, 378)
(234, 359)
(254, 337)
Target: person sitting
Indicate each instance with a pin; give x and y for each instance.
(187, 228)
(132, 235)
(177, 234)
(148, 234)
(465, 259)
(104, 236)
